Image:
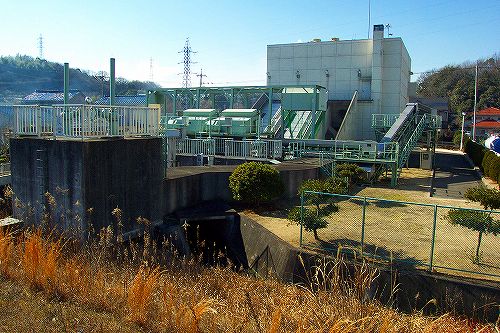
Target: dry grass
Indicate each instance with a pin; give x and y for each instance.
(77, 291)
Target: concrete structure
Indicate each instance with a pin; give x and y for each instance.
(378, 68)
(87, 179)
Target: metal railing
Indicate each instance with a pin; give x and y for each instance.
(410, 234)
(85, 121)
(383, 120)
(196, 146)
(259, 149)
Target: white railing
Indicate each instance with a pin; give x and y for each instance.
(196, 146)
(260, 149)
(383, 120)
(275, 149)
(246, 149)
(86, 121)
(4, 169)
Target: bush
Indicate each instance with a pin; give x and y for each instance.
(494, 169)
(254, 182)
(486, 163)
(475, 151)
(457, 136)
(351, 171)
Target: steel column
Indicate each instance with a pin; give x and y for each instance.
(66, 83)
(433, 241)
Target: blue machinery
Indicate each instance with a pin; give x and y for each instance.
(296, 116)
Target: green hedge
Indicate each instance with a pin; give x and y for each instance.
(484, 158)
(475, 151)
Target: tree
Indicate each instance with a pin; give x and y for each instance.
(482, 222)
(323, 205)
(254, 183)
(351, 171)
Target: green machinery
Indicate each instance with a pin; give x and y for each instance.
(244, 111)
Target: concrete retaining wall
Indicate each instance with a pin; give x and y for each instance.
(98, 175)
(212, 183)
(416, 289)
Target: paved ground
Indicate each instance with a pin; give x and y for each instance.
(454, 175)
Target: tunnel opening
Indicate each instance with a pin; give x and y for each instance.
(212, 232)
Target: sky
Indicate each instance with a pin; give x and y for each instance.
(230, 37)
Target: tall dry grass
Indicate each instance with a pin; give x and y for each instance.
(180, 295)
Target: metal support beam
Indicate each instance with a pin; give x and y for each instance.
(112, 81)
(313, 111)
(394, 175)
(66, 83)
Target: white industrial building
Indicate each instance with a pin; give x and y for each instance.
(363, 77)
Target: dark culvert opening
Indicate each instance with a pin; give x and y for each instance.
(212, 232)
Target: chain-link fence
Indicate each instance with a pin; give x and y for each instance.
(460, 241)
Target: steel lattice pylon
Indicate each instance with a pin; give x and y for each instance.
(186, 75)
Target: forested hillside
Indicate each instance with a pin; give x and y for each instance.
(21, 75)
(457, 83)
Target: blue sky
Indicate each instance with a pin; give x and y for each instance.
(231, 36)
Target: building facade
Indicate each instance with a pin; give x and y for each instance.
(378, 69)
(487, 122)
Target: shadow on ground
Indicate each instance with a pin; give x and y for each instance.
(375, 254)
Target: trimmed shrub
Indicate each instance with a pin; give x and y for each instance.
(351, 171)
(494, 167)
(487, 162)
(254, 182)
(475, 151)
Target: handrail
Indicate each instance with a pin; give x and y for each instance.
(86, 121)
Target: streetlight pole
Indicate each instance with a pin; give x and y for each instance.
(462, 136)
(475, 107)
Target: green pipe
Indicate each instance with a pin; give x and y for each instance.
(112, 81)
(66, 83)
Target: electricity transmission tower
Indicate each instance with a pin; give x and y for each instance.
(186, 75)
(40, 47)
(151, 69)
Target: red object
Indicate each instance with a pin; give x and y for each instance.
(488, 124)
(488, 112)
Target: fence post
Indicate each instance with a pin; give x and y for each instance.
(82, 120)
(363, 227)
(38, 125)
(433, 241)
(301, 216)
(53, 114)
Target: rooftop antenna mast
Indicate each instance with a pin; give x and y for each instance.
(40, 47)
(186, 75)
